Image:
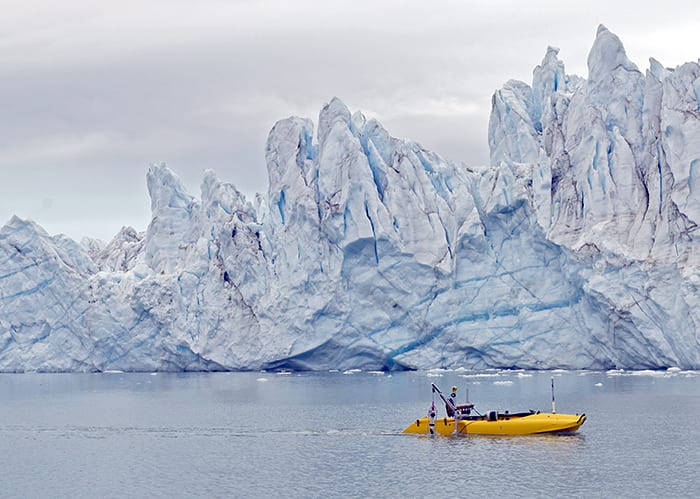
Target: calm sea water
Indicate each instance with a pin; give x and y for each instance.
(338, 435)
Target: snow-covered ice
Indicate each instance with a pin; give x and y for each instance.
(574, 249)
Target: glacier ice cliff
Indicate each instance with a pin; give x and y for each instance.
(574, 249)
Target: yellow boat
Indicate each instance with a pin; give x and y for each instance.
(493, 422)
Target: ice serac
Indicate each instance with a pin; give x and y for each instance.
(620, 147)
(575, 249)
(41, 278)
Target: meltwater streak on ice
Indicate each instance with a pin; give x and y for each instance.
(335, 435)
(575, 249)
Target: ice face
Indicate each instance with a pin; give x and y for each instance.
(575, 249)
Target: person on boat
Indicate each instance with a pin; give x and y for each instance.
(452, 403)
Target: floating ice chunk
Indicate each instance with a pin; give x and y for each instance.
(648, 372)
(598, 384)
(506, 382)
(262, 380)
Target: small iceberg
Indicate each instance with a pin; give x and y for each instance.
(648, 372)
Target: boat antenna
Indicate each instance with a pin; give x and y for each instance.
(554, 407)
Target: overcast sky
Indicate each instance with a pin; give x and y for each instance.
(92, 92)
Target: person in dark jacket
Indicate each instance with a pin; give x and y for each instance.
(452, 404)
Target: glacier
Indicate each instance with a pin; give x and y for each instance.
(574, 248)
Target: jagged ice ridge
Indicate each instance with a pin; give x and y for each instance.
(575, 249)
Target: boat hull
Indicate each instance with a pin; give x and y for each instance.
(529, 424)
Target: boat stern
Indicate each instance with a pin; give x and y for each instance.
(421, 426)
